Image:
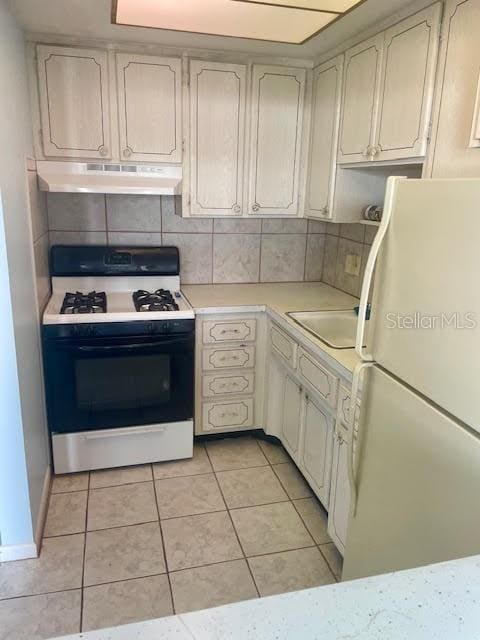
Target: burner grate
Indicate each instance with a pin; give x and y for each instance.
(159, 300)
(93, 302)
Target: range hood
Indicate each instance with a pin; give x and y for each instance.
(93, 177)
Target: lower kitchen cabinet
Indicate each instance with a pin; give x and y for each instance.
(339, 504)
(316, 459)
(292, 414)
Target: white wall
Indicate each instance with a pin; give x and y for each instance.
(23, 433)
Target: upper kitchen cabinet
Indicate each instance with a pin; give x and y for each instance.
(388, 91)
(406, 91)
(360, 100)
(149, 107)
(455, 148)
(327, 83)
(74, 102)
(217, 138)
(275, 140)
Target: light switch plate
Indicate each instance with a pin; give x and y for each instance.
(352, 264)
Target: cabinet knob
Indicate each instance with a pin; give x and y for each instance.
(127, 152)
(237, 208)
(325, 211)
(255, 207)
(103, 151)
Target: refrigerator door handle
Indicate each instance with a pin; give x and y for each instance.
(370, 266)
(351, 466)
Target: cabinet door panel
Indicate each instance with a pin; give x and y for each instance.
(317, 449)
(451, 154)
(361, 77)
(340, 491)
(292, 416)
(74, 102)
(277, 118)
(327, 82)
(406, 92)
(149, 107)
(217, 142)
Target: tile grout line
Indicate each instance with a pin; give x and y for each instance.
(233, 526)
(164, 550)
(84, 554)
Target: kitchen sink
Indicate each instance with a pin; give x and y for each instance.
(337, 329)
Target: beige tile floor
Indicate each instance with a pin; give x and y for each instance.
(235, 522)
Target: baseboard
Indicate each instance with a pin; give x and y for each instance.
(42, 511)
(10, 552)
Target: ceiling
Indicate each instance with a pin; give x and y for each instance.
(93, 19)
(293, 22)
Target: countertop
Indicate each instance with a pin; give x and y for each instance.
(440, 601)
(277, 299)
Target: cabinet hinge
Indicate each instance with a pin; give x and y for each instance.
(429, 131)
(183, 145)
(187, 79)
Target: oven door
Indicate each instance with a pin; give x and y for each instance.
(118, 382)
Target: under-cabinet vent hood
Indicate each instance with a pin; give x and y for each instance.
(93, 177)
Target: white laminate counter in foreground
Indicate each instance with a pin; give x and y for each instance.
(440, 602)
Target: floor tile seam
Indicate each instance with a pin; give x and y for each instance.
(102, 584)
(302, 518)
(121, 526)
(39, 593)
(123, 484)
(164, 550)
(328, 563)
(237, 536)
(84, 553)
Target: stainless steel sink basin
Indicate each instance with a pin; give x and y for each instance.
(337, 329)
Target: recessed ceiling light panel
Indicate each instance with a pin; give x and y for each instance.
(233, 18)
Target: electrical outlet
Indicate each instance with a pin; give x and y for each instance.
(352, 264)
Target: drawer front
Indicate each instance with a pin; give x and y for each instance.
(343, 410)
(233, 414)
(242, 357)
(318, 378)
(214, 331)
(223, 385)
(283, 345)
(86, 450)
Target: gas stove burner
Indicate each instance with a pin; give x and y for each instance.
(78, 302)
(160, 300)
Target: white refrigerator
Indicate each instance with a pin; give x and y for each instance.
(415, 470)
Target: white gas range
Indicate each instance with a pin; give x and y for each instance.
(118, 342)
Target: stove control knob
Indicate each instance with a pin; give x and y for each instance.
(166, 328)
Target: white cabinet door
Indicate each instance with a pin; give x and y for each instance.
(74, 102)
(316, 462)
(149, 107)
(275, 391)
(406, 92)
(217, 137)
(360, 100)
(292, 409)
(276, 137)
(455, 148)
(327, 82)
(340, 496)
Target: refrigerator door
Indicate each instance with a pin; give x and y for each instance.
(425, 325)
(418, 483)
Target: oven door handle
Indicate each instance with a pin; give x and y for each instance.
(125, 431)
(125, 347)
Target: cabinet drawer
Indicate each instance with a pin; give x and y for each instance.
(229, 330)
(317, 377)
(283, 345)
(242, 357)
(232, 414)
(343, 409)
(221, 385)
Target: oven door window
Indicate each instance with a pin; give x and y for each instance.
(98, 386)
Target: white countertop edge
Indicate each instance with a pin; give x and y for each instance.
(438, 601)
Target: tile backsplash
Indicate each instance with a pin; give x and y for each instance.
(211, 250)
(214, 250)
